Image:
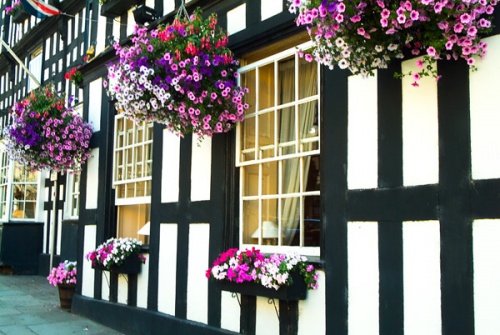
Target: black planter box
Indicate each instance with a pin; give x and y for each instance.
(294, 292)
(20, 16)
(114, 8)
(131, 265)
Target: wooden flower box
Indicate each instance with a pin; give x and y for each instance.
(114, 8)
(20, 16)
(294, 292)
(131, 265)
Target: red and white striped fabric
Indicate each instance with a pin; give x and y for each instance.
(39, 8)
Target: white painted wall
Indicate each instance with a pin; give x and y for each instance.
(170, 167)
(230, 312)
(236, 19)
(266, 322)
(167, 270)
(362, 154)
(89, 242)
(420, 129)
(95, 91)
(363, 278)
(269, 8)
(421, 278)
(201, 168)
(312, 311)
(197, 284)
(122, 289)
(485, 113)
(142, 284)
(92, 180)
(486, 250)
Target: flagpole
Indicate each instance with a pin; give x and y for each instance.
(20, 62)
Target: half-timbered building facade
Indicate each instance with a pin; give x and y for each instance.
(391, 191)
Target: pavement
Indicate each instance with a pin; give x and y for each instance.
(30, 305)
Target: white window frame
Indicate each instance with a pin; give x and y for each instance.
(242, 163)
(119, 178)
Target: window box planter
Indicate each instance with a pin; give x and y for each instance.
(114, 8)
(131, 265)
(294, 292)
(20, 16)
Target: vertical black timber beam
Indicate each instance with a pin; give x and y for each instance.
(390, 174)
(248, 315)
(113, 285)
(454, 179)
(289, 317)
(333, 191)
(132, 290)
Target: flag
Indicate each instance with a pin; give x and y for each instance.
(39, 8)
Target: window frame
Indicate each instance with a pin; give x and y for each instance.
(241, 163)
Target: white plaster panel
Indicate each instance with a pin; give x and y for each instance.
(101, 35)
(421, 278)
(168, 6)
(363, 278)
(486, 250)
(420, 129)
(362, 156)
(122, 289)
(266, 322)
(92, 179)
(167, 269)
(312, 311)
(142, 284)
(236, 19)
(201, 168)
(105, 285)
(89, 242)
(170, 167)
(95, 92)
(197, 285)
(230, 312)
(485, 114)
(270, 8)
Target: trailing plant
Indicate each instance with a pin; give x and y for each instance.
(271, 271)
(45, 133)
(181, 74)
(64, 274)
(116, 251)
(365, 35)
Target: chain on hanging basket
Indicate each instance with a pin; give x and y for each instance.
(182, 75)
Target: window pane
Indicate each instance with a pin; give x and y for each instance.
(291, 176)
(248, 81)
(270, 178)
(311, 173)
(248, 139)
(287, 80)
(312, 223)
(290, 217)
(308, 78)
(266, 86)
(251, 219)
(287, 130)
(251, 180)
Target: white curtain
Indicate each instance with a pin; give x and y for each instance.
(290, 215)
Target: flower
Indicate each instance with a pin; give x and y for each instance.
(435, 29)
(65, 273)
(16, 7)
(115, 251)
(46, 134)
(271, 271)
(182, 75)
(74, 75)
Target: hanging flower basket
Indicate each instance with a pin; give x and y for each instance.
(363, 36)
(182, 75)
(120, 255)
(46, 134)
(277, 276)
(114, 8)
(17, 12)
